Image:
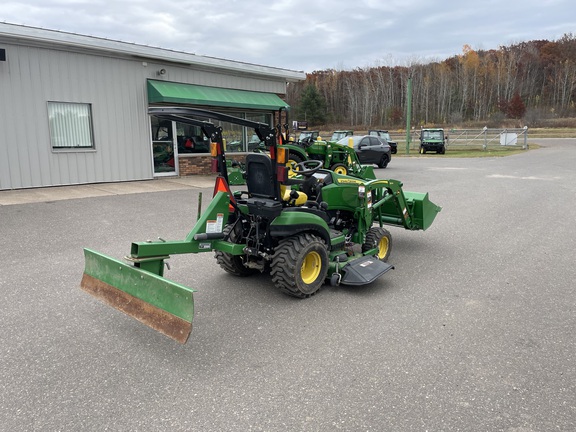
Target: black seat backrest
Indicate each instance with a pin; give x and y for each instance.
(260, 176)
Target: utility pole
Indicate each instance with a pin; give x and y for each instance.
(408, 112)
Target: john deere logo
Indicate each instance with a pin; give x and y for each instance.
(349, 181)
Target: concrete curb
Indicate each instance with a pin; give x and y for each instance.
(58, 193)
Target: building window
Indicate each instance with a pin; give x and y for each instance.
(233, 134)
(254, 141)
(190, 139)
(70, 125)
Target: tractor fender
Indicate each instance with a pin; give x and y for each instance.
(297, 221)
(296, 150)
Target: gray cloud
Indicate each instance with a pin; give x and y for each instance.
(304, 35)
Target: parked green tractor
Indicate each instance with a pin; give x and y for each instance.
(318, 227)
(341, 159)
(336, 157)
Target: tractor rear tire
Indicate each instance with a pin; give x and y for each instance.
(339, 168)
(300, 265)
(380, 238)
(233, 264)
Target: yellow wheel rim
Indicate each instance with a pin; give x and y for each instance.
(383, 246)
(341, 170)
(291, 171)
(311, 267)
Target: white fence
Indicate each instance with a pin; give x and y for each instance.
(488, 137)
(478, 138)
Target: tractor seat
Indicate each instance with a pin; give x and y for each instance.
(260, 184)
(260, 177)
(263, 195)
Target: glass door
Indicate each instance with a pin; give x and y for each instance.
(164, 150)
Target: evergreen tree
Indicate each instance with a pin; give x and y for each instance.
(312, 106)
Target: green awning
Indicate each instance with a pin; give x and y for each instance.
(190, 94)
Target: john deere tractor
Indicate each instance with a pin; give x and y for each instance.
(318, 227)
(341, 159)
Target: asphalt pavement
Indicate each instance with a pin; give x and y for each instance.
(472, 331)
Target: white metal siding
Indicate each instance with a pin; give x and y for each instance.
(116, 90)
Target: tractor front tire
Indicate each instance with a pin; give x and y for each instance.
(300, 265)
(380, 238)
(339, 168)
(233, 264)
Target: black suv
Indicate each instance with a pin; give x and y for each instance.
(370, 149)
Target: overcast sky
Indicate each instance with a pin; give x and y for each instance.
(305, 35)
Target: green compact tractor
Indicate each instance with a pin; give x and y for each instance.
(341, 159)
(318, 227)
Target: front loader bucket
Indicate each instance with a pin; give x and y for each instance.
(159, 303)
(412, 210)
(422, 209)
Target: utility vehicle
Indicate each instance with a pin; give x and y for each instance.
(432, 140)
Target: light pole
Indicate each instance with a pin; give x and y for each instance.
(408, 112)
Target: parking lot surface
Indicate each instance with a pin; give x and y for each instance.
(472, 331)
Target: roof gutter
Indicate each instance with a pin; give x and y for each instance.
(49, 38)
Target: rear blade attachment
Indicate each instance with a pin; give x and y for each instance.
(161, 304)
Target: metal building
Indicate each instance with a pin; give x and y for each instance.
(73, 108)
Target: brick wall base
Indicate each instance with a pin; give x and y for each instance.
(190, 165)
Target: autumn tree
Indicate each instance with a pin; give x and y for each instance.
(516, 107)
(530, 76)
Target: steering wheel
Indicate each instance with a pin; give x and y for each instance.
(301, 167)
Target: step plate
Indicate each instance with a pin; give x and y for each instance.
(364, 270)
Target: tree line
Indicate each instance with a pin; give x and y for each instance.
(531, 81)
